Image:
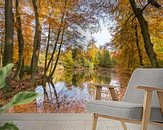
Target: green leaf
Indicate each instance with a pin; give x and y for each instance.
(24, 97)
(6, 107)
(4, 72)
(8, 126)
(18, 99)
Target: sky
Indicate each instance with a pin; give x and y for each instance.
(101, 37)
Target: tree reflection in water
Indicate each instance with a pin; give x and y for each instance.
(73, 90)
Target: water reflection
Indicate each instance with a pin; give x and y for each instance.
(40, 98)
(73, 90)
(76, 77)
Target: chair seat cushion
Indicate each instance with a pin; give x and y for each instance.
(124, 110)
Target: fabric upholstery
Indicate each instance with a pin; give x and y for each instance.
(143, 77)
(125, 110)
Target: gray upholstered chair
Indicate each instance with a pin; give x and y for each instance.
(139, 107)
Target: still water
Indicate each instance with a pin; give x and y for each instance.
(73, 90)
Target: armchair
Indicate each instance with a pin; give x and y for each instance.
(138, 107)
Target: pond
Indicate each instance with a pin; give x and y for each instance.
(71, 92)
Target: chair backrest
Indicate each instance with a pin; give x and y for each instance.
(144, 77)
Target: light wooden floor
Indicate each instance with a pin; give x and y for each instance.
(57, 121)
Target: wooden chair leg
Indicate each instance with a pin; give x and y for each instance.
(98, 93)
(113, 94)
(124, 125)
(146, 110)
(160, 98)
(94, 123)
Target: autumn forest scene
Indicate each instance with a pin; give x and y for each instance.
(55, 48)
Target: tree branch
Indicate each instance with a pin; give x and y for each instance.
(154, 3)
(145, 7)
(128, 19)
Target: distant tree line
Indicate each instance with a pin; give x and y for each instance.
(90, 57)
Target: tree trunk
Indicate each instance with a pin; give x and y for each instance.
(138, 47)
(58, 55)
(47, 49)
(55, 46)
(9, 32)
(20, 41)
(36, 44)
(145, 33)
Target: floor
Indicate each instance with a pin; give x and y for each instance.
(57, 121)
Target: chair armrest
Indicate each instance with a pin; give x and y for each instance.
(147, 88)
(157, 89)
(99, 88)
(102, 85)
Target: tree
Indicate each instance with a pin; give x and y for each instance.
(9, 33)
(92, 51)
(145, 31)
(37, 41)
(20, 40)
(104, 58)
(138, 47)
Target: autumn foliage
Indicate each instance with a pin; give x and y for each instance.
(40, 36)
